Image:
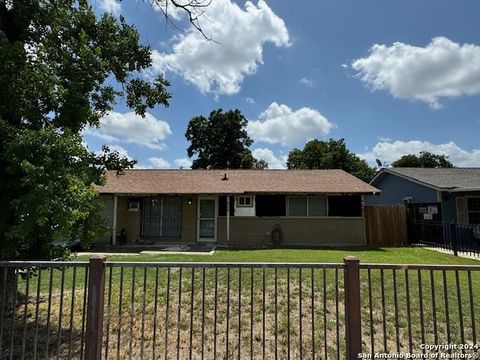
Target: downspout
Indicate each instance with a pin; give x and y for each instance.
(114, 227)
(228, 219)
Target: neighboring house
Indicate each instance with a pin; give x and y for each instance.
(235, 207)
(452, 193)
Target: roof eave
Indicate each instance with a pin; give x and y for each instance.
(122, 193)
(455, 190)
(409, 178)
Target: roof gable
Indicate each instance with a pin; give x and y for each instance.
(150, 181)
(455, 179)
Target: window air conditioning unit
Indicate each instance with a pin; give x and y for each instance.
(408, 199)
(133, 205)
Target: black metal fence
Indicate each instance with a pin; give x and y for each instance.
(112, 310)
(406, 309)
(43, 310)
(454, 237)
(223, 311)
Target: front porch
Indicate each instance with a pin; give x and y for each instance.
(149, 221)
(156, 221)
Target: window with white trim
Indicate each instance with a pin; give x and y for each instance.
(307, 206)
(468, 210)
(244, 201)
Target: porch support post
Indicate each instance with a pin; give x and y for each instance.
(228, 218)
(114, 226)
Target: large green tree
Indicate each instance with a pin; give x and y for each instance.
(61, 69)
(221, 142)
(424, 160)
(331, 154)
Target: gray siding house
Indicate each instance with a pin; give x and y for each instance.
(455, 190)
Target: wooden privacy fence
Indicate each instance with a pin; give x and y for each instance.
(386, 225)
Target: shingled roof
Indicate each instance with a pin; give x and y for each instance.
(153, 181)
(452, 179)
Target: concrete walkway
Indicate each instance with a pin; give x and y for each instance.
(136, 250)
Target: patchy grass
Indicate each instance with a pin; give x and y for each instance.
(156, 310)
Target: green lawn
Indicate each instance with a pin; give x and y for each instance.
(395, 306)
(317, 255)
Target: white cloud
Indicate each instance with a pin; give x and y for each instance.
(250, 100)
(112, 6)
(143, 166)
(280, 124)
(159, 162)
(131, 128)
(345, 66)
(390, 151)
(220, 66)
(184, 163)
(441, 69)
(121, 150)
(307, 82)
(384, 138)
(266, 154)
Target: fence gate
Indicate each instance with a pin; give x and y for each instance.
(386, 225)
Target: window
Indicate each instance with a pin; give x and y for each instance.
(468, 210)
(244, 201)
(270, 205)
(317, 206)
(345, 205)
(307, 206)
(473, 207)
(161, 217)
(222, 206)
(297, 206)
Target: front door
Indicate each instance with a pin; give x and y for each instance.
(207, 219)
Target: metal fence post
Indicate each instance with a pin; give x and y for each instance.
(352, 307)
(453, 237)
(96, 291)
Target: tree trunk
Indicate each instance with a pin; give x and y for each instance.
(8, 287)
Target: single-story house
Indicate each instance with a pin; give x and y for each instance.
(235, 207)
(444, 194)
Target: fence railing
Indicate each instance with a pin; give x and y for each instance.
(407, 308)
(43, 309)
(449, 236)
(126, 310)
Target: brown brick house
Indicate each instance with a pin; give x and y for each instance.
(235, 207)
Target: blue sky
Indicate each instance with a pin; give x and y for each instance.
(391, 77)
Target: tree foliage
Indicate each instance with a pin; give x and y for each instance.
(259, 164)
(61, 70)
(221, 142)
(331, 154)
(424, 160)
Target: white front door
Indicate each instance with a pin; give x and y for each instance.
(207, 219)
